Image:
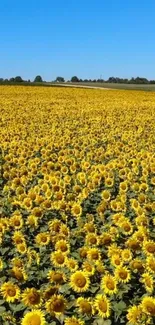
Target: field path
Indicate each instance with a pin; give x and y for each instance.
(83, 86)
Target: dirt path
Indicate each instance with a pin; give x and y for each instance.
(83, 86)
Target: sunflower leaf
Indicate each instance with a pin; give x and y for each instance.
(2, 309)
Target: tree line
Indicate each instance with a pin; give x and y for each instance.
(39, 79)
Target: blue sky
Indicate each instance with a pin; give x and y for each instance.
(80, 37)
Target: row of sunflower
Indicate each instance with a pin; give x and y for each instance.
(77, 207)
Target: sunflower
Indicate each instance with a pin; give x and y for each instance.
(10, 291)
(42, 239)
(133, 244)
(100, 267)
(19, 274)
(149, 247)
(105, 239)
(18, 238)
(109, 181)
(50, 291)
(76, 210)
(109, 284)
(88, 267)
(137, 265)
(102, 306)
(79, 281)
(134, 315)
(56, 277)
(22, 248)
(58, 259)
(1, 264)
(122, 274)
(92, 239)
(126, 255)
(34, 317)
(90, 227)
(113, 249)
(83, 251)
(31, 298)
(72, 264)
(116, 260)
(148, 306)
(16, 221)
(126, 227)
(47, 204)
(85, 306)
(62, 246)
(94, 254)
(73, 321)
(106, 195)
(16, 261)
(150, 264)
(148, 282)
(54, 225)
(56, 305)
(32, 221)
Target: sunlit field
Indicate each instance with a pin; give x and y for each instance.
(77, 206)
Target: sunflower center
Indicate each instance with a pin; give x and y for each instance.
(151, 308)
(110, 285)
(63, 248)
(34, 298)
(123, 274)
(151, 249)
(95, 256)
(11, 292)
(34, 320)
(60, 259)
(152, 266)
(17, 223)
(44, 239)
(148, 282)
(80, 282)
(19, 275)
(127, 227)
(22, 248)
(58, 277)
(58, 306)
(86, 307)
(103, 306)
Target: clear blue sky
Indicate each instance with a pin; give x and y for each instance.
(80, 37)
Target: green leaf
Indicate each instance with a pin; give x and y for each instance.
(93, 289)
(18, 307)
(101, 321)
(2, 302)
(2, 309)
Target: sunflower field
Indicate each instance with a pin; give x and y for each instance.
(77, 206)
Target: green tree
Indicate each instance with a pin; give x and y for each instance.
(18, 79)
(60, 79)
(74, 79)
(38, 79)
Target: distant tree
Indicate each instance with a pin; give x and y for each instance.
(29, 80)
(60, 79)
(74, 79)
(85, 80)
(38, 79)
(18, 79)
(94, 80)
(1, 79)
(12, 79)
(80, 80)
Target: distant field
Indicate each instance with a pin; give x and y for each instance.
(115, 86)
(84, 84)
